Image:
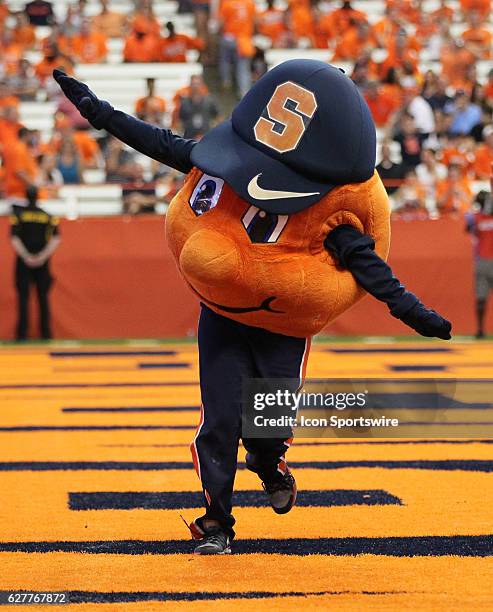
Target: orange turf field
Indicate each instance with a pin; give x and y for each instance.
(94, 443)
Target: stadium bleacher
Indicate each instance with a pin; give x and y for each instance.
(110, 80)
(123, 83)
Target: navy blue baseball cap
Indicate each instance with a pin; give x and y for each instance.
(301, 130)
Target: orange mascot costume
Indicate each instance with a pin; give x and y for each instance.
(291, 285)
(282, 225)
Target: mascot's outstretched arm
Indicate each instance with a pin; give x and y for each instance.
(158, 143)
(353, 250)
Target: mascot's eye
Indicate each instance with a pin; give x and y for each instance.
(262, 226)
(206, 194)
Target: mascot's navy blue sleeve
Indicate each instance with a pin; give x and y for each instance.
(355, 252)
(158, 143)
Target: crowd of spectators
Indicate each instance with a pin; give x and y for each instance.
(72, 147)
(435, 125)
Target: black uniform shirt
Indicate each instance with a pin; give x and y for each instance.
(34, 227)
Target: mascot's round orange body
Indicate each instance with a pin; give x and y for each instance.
(290, 286)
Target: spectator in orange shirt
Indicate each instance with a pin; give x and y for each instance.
(381, 105)
(58, 37)
(354, 42)
(342, 19)
(386, 29)
(476, 38)
(443, 13)
(10, 52)
(144, 19)
(21, 169)
(458, 151)
(8, 96)
(320, 26)
(301, 25)
(482, 6)
(484, 155)
(391, 86)
(426, 26)
(9, 129)
(88, 46)
(409, 10)
(453, 193)
(24, 34)
(237, 18)
(402, 53)
(140, 46)
(9, 126)
(109, 23)
(272, 24)
(174, 47)
(4, 12)
(455, 60)
(151, 108)
(297, 3)
(52, 59)
(87, 148)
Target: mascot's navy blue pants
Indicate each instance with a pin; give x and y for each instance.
(229, 352)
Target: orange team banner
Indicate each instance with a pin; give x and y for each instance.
(115, 278)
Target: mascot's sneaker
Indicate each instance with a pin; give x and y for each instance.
(215, 541)
(282, 492)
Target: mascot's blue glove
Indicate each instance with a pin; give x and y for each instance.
(96, 111)
(425, 321)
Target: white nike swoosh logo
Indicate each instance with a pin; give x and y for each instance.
(257, 192)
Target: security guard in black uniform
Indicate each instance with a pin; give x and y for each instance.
(35, 237)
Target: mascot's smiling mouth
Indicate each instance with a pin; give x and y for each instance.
(265, 305)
